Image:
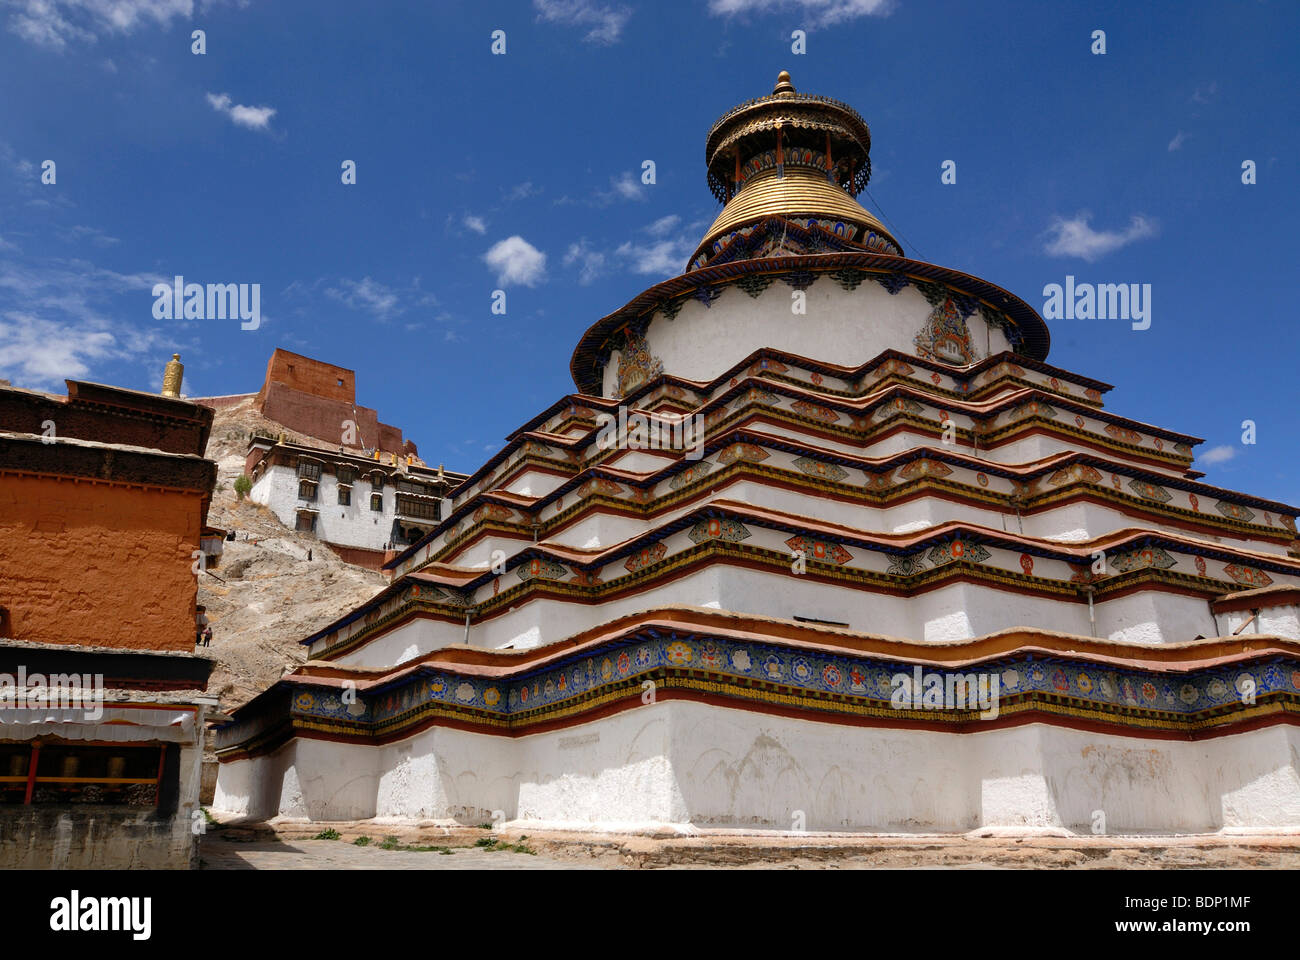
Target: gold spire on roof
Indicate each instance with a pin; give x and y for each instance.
(797, 156)
(172, 375)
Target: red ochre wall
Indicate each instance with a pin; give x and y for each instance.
(100, 564)
(318, 417)
(311, 376)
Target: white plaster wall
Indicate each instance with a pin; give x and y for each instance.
(354, 525)
(533, 483)
(692, 764)
(956, 612)
(840, 327)
(1282, 620)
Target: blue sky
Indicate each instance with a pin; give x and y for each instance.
(225, 168)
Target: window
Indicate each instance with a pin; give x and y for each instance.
(309, 469)
(377, 502)
(57, 773)
(345, 496)
(306, 522)
(347, 474)
(418, 509)
(306, 490)
(377, 480)
(340, 383)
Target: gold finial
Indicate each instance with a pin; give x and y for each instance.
(172, 375)
(783, 84)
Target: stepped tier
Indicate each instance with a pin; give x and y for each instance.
(803, 487)
(463, 732)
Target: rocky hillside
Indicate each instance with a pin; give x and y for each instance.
(269, 595)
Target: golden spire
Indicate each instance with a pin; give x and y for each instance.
(172, 375)
(793, 156)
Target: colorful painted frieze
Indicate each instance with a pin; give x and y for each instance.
(1150, 491)
(1075, 473)
(718, 528)
(690, 474)
(957, 549)
(742, 452)
(1235, 511)
(646, 556)
(1247, 576)
(1141, 559)
(817, 468)
(821, 550)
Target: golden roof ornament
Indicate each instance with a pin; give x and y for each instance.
(795, 156)
(172, 376)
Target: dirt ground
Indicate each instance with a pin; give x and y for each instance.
(265, 595)
(290, 845)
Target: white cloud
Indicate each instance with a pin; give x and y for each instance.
(1177, 142)
(516, 261)
(368, 296)
(665, 254)
(35, 350)
(606, 22)
(1220, 454)
(663, 225)
(662, 257)
(626, 186)
(820, 13)
(80, 232)
(522, 191)
(1074, 238)
(55, 23)
(1205, 92)
(59, 317)
(589, 259)
(254, 118)
(474, 223)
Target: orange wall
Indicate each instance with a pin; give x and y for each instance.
(311, 376)
(93, 563)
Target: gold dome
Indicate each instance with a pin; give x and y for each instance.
(802, 193)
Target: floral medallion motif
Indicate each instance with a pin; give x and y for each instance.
(1150, 491)
(747, 452)
(1141, 559)
(906, 566)
(1235, 511)
(815, 411)
(542, 568)
(718, 528)
(689, 475)
(925, 468)
(1123, 433)
(1247, 576)
(1074, 473)
(816, 468)
(822, 550)
(646, 556)
(957, 549)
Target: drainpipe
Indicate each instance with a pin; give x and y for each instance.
(1092, 616)
(468, 612)
(1214, 617)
